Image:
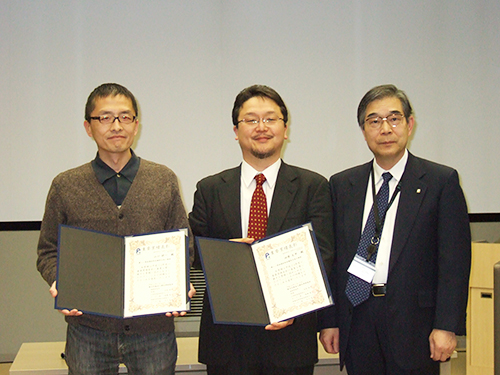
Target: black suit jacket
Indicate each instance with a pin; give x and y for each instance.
(300, 196)
(429, 266)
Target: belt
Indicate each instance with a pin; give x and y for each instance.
(379, 290)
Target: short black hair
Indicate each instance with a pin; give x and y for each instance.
(261, 91)
(105, 90)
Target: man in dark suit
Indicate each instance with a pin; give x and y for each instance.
(416, 273)
(221, 210)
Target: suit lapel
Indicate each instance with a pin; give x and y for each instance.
(283, 197)
(413, 191)
(354, 206)
(229, 198)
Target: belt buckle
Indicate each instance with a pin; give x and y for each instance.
(376, 286)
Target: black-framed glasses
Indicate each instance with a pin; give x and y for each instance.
(266, 121)
(394, 120)
(109, 119)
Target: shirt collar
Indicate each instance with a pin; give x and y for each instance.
(248, 173)
(105, 172)
(396, 171)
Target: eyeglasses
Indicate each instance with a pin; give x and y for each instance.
(394, 120)
(266, 121)
(109, 119)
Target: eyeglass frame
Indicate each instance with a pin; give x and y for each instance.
(98, 118)
(386, 119)
(263, 120)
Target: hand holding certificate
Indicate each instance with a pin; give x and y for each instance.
(122, 276)
(271, 280)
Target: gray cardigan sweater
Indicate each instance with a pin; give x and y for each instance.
(76, 198)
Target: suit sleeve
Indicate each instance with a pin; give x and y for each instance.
(327, 317)
(198, 219)
(454, 258)
(176, 216)
(321, 216)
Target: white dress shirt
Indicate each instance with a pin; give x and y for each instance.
(247, 188)
(384, 249)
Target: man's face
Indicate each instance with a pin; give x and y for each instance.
(387, 143)
(114, 138)
(261, 140)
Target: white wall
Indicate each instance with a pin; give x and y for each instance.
(186, 60)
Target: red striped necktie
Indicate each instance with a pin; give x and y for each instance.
(257, 224)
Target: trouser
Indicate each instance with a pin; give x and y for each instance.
(90, 351)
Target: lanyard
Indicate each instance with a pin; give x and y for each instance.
(379, 222)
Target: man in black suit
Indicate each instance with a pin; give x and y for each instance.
(221, 210)
(418, 269)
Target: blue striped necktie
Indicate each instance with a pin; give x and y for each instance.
(358, 290)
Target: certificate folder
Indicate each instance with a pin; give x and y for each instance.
(105, 274)
(273, 279)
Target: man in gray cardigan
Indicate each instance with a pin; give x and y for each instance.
(122, 194)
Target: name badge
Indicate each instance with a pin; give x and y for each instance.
(361, 268)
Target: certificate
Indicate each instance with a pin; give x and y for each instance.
(274, 279)
(104, 274)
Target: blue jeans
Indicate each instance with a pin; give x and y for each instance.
(90, 351)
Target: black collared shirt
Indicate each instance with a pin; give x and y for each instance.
(116, 184)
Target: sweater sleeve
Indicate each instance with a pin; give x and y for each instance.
(47, 243)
